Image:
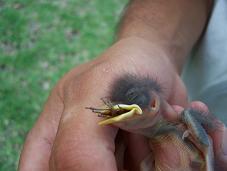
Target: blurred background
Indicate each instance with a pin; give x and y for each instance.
(40, 40)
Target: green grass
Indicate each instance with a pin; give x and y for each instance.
(40, 40)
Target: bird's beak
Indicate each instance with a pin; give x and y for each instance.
(124, 111)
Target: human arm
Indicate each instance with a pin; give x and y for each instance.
(173, 25)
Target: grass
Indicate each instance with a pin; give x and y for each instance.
(40, 40)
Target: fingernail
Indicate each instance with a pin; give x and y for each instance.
(224, 142)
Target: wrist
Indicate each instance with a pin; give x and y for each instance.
(147, 50)
(173, 25)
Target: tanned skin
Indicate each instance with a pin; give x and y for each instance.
(154, 39)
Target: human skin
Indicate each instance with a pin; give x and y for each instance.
(154, 39)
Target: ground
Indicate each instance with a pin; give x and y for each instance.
(40, 40)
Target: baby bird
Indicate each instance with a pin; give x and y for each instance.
(136, 105)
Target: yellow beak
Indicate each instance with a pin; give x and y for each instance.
(132, 110)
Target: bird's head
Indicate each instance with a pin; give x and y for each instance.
(134, 103)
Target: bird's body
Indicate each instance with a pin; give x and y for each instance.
(138, 106)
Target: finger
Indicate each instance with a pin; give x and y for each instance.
(37, 147)
(82, 145)
(219, 137)
(137, 150)
(178, 93)
(200, 106)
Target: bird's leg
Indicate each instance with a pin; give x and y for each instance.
(194, 122)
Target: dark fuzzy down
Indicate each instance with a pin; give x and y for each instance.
(132, 89)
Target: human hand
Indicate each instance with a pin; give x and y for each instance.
(67, 137)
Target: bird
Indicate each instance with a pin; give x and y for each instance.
(136, 104)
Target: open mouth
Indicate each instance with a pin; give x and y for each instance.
(116, 113)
